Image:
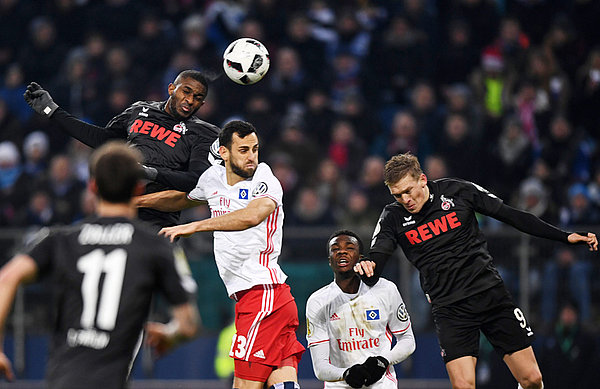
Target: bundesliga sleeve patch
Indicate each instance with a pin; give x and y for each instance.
(260, 189)
(402, 313)
(372, 314)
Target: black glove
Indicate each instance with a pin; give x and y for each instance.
(150, 173)
(356, 375)
(40, 100)
(376, 366)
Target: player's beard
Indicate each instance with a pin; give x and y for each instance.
(241, 172)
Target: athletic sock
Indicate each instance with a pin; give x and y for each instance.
(285, 385)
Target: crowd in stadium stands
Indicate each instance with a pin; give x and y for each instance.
(502, 92)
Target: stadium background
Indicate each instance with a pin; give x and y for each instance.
(505, 93)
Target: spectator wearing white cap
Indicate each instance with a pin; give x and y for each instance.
(35, 151)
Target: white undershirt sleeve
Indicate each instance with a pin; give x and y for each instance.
(324, 370)
(404, 347)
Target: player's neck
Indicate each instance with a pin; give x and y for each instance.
(233, 178)
(106, 209)
(348, 285)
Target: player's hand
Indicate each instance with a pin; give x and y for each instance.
(182, 230)
(40, 100)
(366, 268)
(6, 368)
(376, 366)
(159, 337)
(589, 239)
(356, 376)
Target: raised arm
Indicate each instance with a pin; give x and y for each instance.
(182, 327)
(256, 211)
(531, 224)
(20, 269)
(166, 201)
(41, 102)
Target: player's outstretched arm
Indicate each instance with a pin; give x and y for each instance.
(20, 269)
(166, 201)
(41, 102)
(184, 326)
(588, 238)
(255, 212)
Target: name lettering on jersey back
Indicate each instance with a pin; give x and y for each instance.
(155, 131)
(433, 228)
(120, 233)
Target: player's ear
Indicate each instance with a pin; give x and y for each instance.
(92, 186)
(171, 89)
(423, 178)
(223, 152)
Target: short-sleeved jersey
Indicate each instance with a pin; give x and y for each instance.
(166, 142)
(356, 326)
(249, 257)
(443, 240)
(103, 273)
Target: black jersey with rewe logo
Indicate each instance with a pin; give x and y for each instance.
(443, 240)
(103, 272)
(179, 149)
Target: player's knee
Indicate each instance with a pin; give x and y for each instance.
(533, 380)
(285, 385)
(463, 383)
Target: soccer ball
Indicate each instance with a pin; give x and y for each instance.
(246, 61)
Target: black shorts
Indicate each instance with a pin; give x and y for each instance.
(491, 311)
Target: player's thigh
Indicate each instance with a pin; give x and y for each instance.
(282, 374)
(240, 383)
(505, 326)
(462, 372)
(457, 330)
(523, 365)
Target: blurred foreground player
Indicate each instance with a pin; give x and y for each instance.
(175, 144)
(104, 273)
(350, 325)
(435, 225)
(245, 201)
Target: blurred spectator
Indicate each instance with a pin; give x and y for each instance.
(403, 137)
(563, 42)
(435, 167)
(12, 90)
(511, 159)
(310, 210)
(566, 278)
(534, 198)
(63, 189)
(79, 154)
(458, 57)
(43, 54)
(345, 148)
(10, 126)
(371, 183)
(456, 146)
(355, 109)
(429, 117)
(319, 116)
(13, 191)
(399, 59)
(282, 167)
(580, 210)
(71, 86)
(587, 95)
(481, 16)
(293, 142)
(569, 356)
(223, 19)
(122, 15)
(331, 185)
(512, 44)
(14, 14)
(259, 111)
(288, 82)
(35, 151)
(39, 211)
(350, 37)
(195, 42)
(310, 50)
(358, 214)
(561, 147)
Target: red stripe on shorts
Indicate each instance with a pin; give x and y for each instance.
(268, 298)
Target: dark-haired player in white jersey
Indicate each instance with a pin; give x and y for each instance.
(176, 145)
(350, 325)
(435, 225)
(245, 200)
(104, 272)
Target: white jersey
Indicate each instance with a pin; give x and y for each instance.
(357, 326)
(249, 257)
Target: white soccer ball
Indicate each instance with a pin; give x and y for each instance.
(246, 61)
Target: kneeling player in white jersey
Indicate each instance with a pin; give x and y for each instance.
(245, 201)
(350, 325)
